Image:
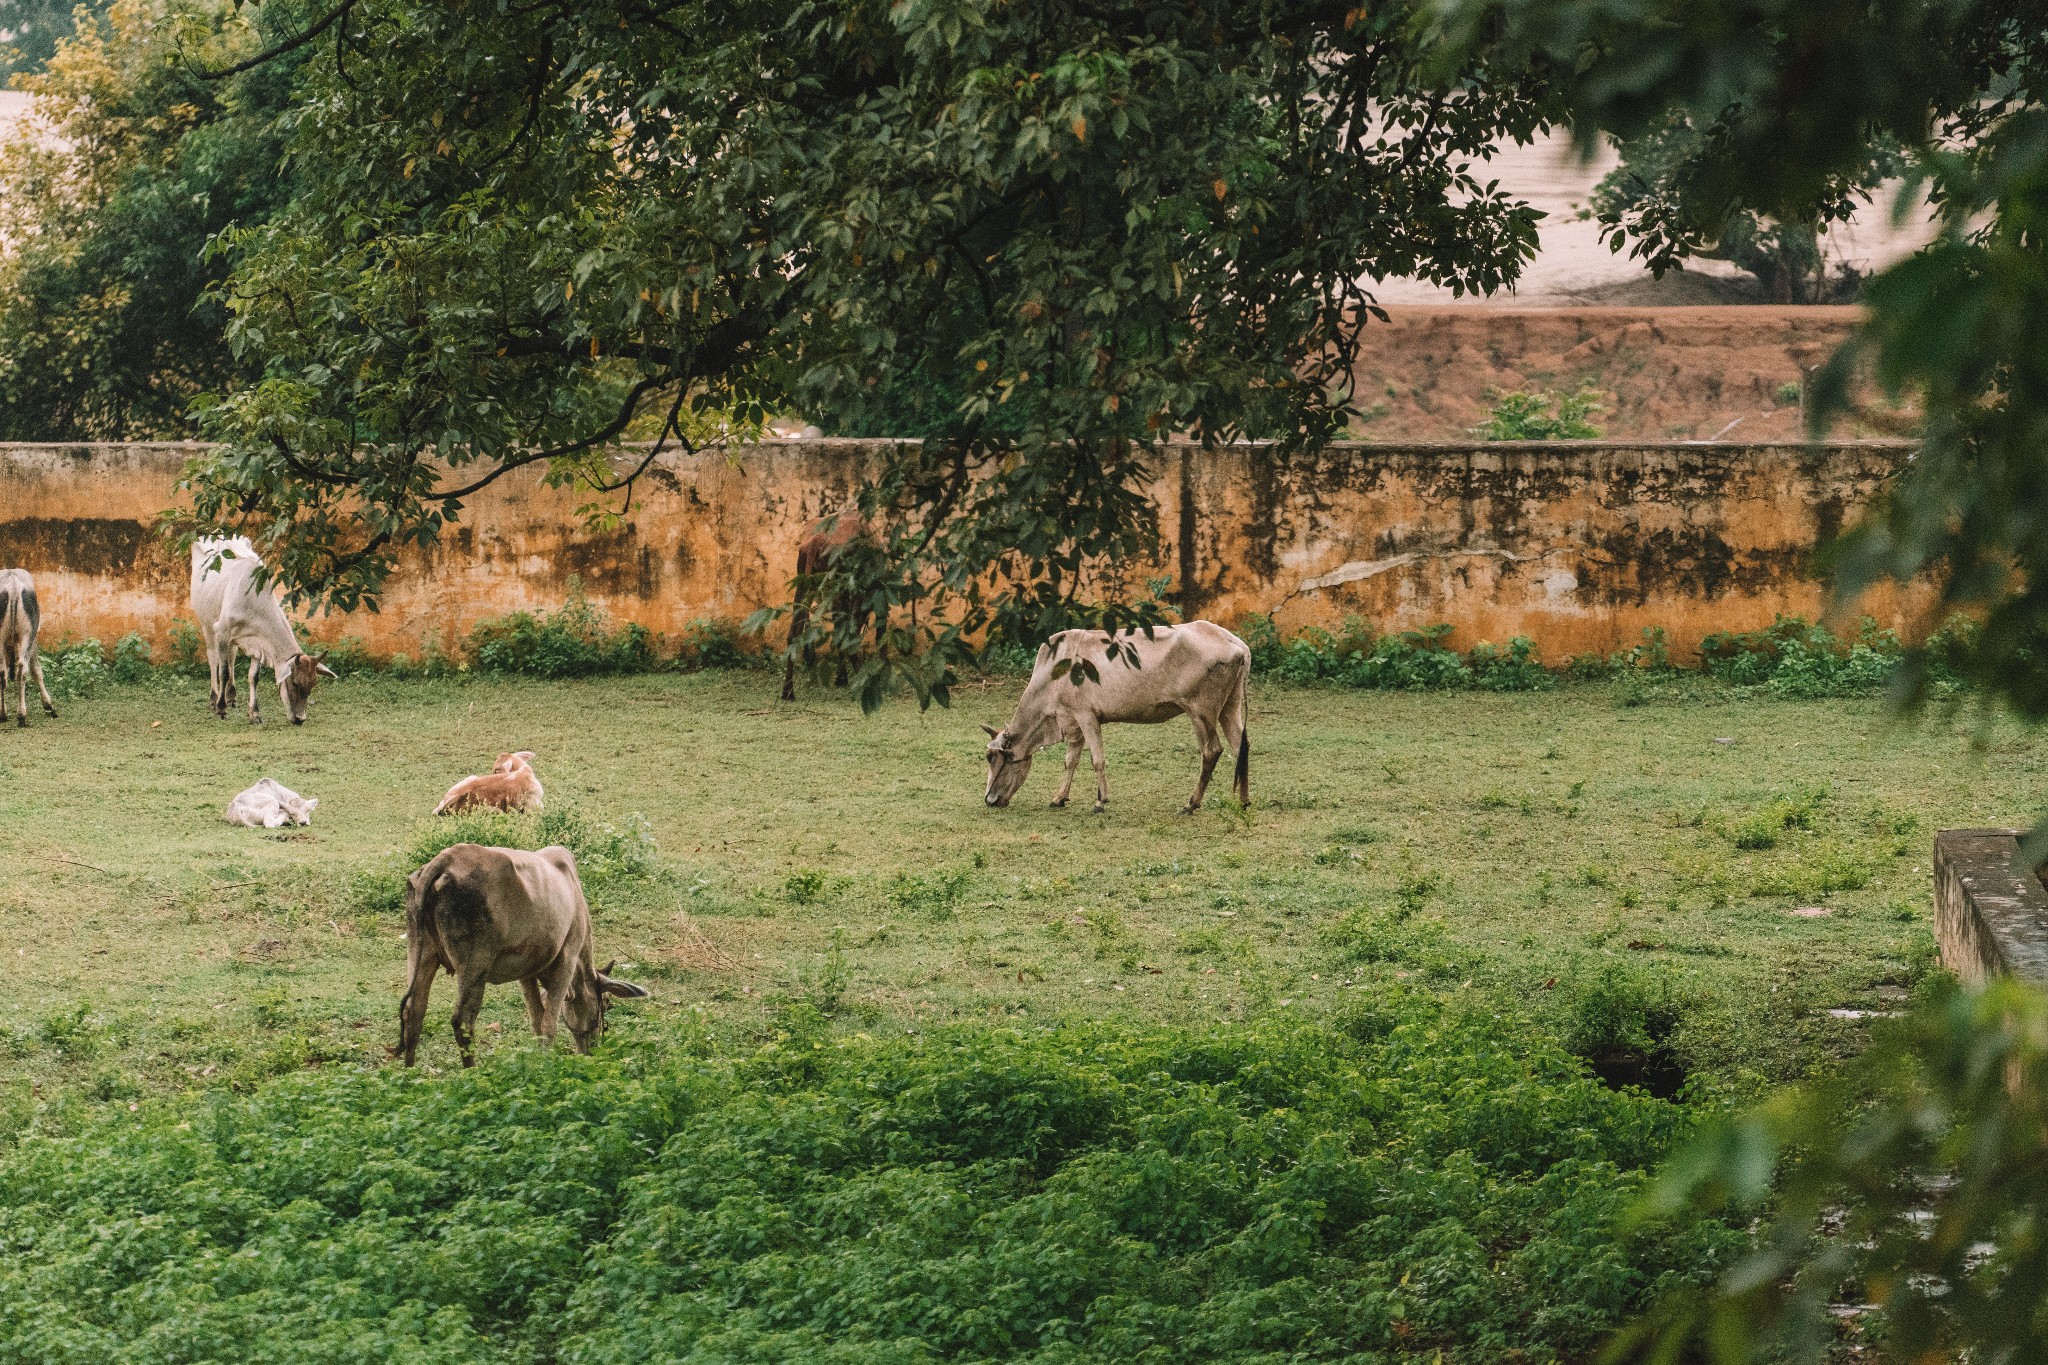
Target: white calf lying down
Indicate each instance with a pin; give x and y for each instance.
(269, 804)
(486, 915)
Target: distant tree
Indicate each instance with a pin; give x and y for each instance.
(1651, 203)
(108, 199)
(31, 29)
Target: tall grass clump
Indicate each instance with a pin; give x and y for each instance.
(1357, 655)
(606, 854)
(574, 641)
(1428, 1188)
(1795, 659)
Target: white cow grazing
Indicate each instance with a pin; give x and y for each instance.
(270, 804)
(236, 615)
(1199, 670)
(20, 619)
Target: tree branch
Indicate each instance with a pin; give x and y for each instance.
(288, 45)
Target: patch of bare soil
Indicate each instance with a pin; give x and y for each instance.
(1730, 373)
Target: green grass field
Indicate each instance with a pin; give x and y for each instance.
(1531, 848)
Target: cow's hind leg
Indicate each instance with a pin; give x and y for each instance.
(469, 999)
(8, 675)
(255, 671)
(1212, 750)
(35, 661)
(412, 1006)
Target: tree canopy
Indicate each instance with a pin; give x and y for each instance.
(1090, 227)
(127, 168)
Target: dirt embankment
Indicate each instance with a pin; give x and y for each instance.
(1732, 373)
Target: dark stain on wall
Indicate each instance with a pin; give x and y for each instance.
(84, 545)
(615, 563)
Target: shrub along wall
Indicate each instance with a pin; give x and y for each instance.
(1579, 545)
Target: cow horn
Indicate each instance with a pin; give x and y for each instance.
(320, 665)
(992, 731)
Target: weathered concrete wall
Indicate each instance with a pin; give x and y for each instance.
(1990, 912)
(1578, 544)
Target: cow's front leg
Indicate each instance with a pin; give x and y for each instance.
(255, 671)
(536, 1009)
(469, 1000)
(556, 983)
(1091, 734)
(222, 660)
(1073, 762)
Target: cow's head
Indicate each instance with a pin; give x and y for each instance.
(1008, 766)
(295, 683)
(590, 995)
(507, 762)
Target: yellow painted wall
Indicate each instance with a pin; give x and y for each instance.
(1577, 544)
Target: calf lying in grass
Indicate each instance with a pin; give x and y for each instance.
(490, 915)
(270, 804)
(509, 785)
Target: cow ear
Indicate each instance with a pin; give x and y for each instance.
(625, 990)
(320, 666)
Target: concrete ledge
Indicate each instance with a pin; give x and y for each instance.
(1990, 913)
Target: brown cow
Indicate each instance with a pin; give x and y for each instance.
(489, 915)
(510, 785)
(814, 557)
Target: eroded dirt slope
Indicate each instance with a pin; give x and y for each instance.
(1737, 373)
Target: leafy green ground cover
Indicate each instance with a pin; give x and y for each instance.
(1413, 1184)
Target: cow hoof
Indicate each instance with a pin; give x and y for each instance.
(21, 722)
(1189, 809)
(50, 711)
(1060, 804)
(1100, 808)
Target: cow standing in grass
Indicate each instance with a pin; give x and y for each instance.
(1084, 679)
(490, 915)
(236, 615)
(20, 619)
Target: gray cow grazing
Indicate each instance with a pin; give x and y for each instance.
(1199, 670)
(236, 615)
(20, 619)
(490, 915)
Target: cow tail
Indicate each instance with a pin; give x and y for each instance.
(1244, 735)
(16, 636)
